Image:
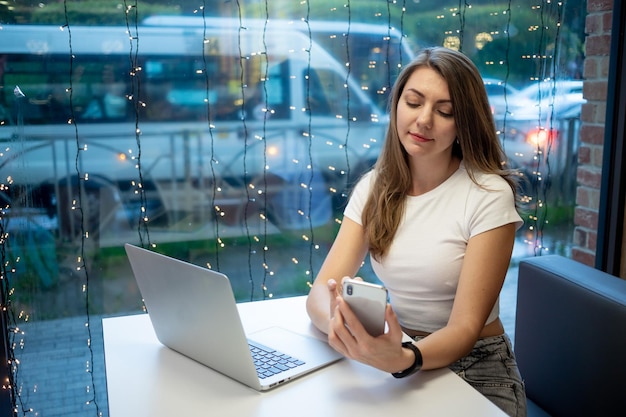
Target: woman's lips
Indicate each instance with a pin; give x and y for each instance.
(419, 137)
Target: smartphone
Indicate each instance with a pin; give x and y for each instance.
(368, 301)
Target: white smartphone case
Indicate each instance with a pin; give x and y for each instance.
(368, 301)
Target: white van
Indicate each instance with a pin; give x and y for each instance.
(181, 124)
(373, 54)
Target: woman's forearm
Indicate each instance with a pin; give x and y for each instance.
(318, 307)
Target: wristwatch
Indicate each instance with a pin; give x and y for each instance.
(417, 364)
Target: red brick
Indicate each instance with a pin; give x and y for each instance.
(593, 23)
(592, 241)
(594, 197)
(597, 156)
(592, 134)
(600, 112)
(588, 197)
(584, 155)
(582, 197)
(586, 218)
(599, 23)
(587, 113)
(607, 21)
(595, 90)
(585, 238)
(584, 257)
(598, 45)
(589, 176)
(604, 63)
(591, 68)
(593, 112)
(599, 5)
(580, 237)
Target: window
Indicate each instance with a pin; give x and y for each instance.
(234, 144)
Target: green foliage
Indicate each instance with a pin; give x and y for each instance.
(532, 30)
(518, 35)
(82, 12)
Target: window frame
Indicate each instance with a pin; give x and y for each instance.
(613, 187)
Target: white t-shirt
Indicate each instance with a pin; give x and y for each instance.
(421, 270)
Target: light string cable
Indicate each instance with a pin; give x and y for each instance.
(266, 114)
(132, 28)
(539, 185)
(310, 136)
(246, 133)
(7, 316)
(388, 48)
(349, 118)
(555, 64)
(550, 136)
(462, 8)
(9, 323)
(82, 178)
(348, 180)
(536, 183)
(535, 186)
(507, 52)
(402, 39)
(388, 45)
(209, 113)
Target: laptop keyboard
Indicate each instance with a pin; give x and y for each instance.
(270, 362)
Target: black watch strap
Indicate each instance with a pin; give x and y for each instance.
(417, 364)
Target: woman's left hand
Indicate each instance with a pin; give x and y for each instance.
(348, 336)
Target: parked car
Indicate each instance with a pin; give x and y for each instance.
(540, 135)
(548, 100)
(500, 94)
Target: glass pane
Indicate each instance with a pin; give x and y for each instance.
(234, 145)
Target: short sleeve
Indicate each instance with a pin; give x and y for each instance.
(358, 198)
(491, 206)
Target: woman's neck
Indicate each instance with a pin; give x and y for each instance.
(428, 175)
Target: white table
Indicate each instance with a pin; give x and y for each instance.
(144, 378)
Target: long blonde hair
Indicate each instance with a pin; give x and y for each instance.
(477, 143)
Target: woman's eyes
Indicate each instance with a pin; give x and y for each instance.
(444, 113)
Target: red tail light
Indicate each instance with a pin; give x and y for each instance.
(541, 137)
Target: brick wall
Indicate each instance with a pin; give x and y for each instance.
(596, 74)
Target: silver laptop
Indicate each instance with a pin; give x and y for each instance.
(193, 311)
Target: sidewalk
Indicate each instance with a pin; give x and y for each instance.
(56, 369)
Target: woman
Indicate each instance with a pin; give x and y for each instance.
(438, 217)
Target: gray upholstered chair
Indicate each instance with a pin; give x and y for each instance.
(570, 338)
